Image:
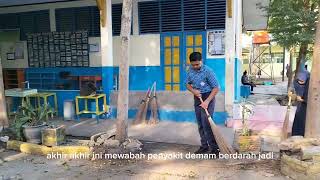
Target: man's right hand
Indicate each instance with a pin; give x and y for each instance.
(299, 98)
(197, 93)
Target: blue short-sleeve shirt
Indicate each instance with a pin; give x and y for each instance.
(203, 80)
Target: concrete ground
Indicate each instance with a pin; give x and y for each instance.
(165, 131)
(166, 137)
(39, 167)
(280, 88)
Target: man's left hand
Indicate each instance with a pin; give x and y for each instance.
(205, 104)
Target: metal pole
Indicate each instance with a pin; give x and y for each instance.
(283, 63)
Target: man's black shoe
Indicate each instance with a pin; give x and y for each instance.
(215, 151)
(201, 150)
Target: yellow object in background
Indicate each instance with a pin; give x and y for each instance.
(96, 98)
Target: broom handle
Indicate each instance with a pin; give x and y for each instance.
(150, 90)
(147, 94)
(204, 108)
(289, 103)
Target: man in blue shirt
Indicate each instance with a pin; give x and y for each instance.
(202, 82)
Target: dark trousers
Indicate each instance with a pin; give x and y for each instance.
(299, 122)
(250, 84)
(206, 135)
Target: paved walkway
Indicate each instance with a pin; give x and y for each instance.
(30, 167)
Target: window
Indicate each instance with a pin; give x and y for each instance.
(149, 16)
(29, 22)
(41, 21)
(9, 21)
(77, 19)
(277, 57)
(194, 15)
(171, 15)
(65, 19)
(181, 15)
(34, 22)
(216, 14)
(116, 19)
(245, 61)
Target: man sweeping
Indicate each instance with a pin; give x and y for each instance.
(202, 82)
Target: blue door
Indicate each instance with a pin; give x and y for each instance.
(175, 51)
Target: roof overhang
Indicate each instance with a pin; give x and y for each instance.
(8, 3)
(255, 18)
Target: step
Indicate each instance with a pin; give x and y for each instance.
(267, 119)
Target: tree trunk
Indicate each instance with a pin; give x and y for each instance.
(283, 64)
(123, 96)
(303, 47)
(3, 110)
(290, 69)
(312, 120)
(301, 58)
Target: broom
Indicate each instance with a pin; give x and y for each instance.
(285, 126)
(154, 107)
(139, 115)
(223, 145)
(145, 110)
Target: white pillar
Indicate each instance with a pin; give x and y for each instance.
(238, 53)
(107, 51)
(52, 16)
(238, 28)
(230, 59)
(135, 18)
(106, 38)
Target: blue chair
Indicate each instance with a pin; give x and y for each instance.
(245, 91)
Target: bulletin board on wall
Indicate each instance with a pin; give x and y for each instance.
(58, 49)
(215, 43)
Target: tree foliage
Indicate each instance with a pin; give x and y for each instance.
(293, 22)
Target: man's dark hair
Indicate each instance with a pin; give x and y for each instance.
(195, 56)
(245, 72)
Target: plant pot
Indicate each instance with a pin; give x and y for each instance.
(33, 133)
(247, 144)
(53, 136)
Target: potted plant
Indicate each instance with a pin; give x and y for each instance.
(247, 141)
(29, 122)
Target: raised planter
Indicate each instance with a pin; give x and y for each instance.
(300, 170)
(33, 133)
(53, 136)
(247, 144)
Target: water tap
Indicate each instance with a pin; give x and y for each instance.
(27, 82)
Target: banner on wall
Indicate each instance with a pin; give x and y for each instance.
(58, 49)
(215, 43)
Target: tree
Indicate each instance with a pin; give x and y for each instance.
(313, 113)
(3, 110)
(123, 95)
(292, 23)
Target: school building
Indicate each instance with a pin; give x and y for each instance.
(44, 41)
